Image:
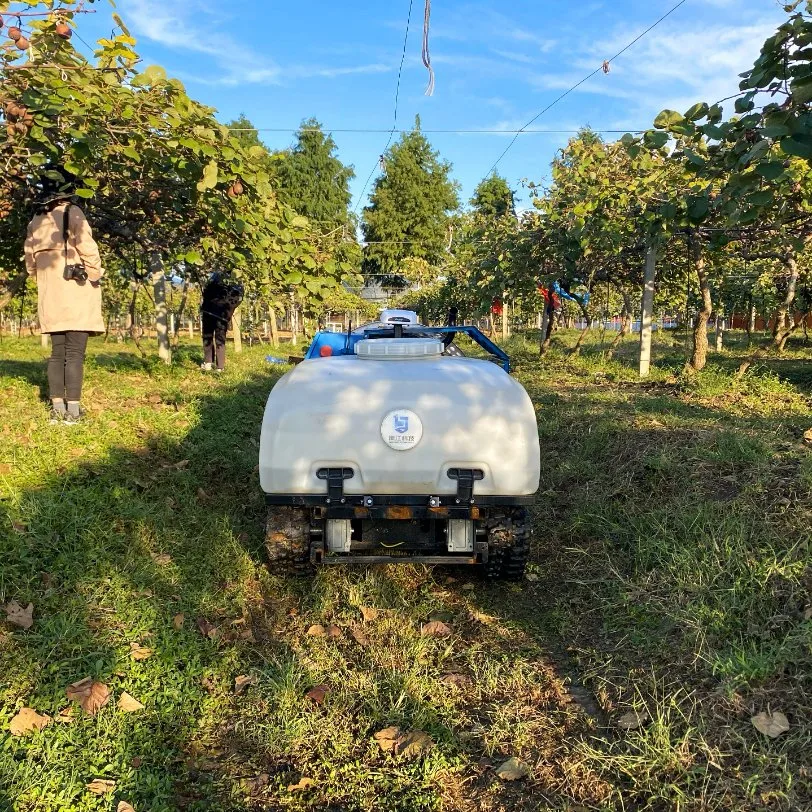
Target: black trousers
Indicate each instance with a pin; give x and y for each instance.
(66, 365)
(214, 340)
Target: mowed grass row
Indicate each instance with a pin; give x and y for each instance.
(671, 577)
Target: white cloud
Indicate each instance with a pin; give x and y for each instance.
(193, 27)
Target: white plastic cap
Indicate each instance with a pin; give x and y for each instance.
(393, 316)
(398, 349)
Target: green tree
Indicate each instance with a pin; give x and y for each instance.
(410, 207)
(494, 197)
(313, 180)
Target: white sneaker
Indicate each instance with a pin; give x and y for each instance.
(206, 367)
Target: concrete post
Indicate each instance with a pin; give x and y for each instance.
(647, 312)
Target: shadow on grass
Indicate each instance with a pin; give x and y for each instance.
(161, 547)
(646, 542)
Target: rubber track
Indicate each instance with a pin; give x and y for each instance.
(287, 539)
(508, 545)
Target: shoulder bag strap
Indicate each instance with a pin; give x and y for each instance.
(66, 230)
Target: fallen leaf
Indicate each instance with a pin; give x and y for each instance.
(209, 683)
(318, 693)
(206, 629)
(101, 786)
(457, 680)
(202, 495)
(316, 630)
(139, 652)
(136, 762)
(359, 636)
(369, 613)
(242, 682)
(808, 613)
(468, 587)
(65, 716)
(771, 724)
(162, 559)
(128, 703)
(388, 738)
(91, 695)
(123, 806)
(808, 436)
(435, 628)
(333, 631)
(20, 527)
(631, 720)
(177, 621)
(154, 398)
(512, 770)
(27, 720)
(20, 616)
(5, 468)
(414, 744)
(303, 783)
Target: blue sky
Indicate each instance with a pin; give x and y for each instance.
(497, 64)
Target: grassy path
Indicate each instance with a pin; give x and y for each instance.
(670, 587)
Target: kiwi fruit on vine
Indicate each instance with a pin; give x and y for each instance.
(22, 43)
(63, 30)
(14, 33)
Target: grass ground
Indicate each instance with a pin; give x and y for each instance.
(671, 578)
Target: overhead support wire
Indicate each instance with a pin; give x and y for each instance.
(602, 68)
(380, 160)
(444, 131)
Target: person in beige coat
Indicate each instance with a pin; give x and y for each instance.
(70, 305)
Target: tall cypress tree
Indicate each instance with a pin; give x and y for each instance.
(313, 180)
(410, 207)
(494, 197)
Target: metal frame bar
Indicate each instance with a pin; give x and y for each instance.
(474, 333)
(385, 500)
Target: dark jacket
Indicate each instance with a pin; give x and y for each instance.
(220, 299)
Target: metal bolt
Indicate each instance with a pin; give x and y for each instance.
(457, 501)
(343, 500)
(328, 500)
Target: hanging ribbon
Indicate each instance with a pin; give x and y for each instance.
(426, 56)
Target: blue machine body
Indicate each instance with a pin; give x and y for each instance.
(344, 343)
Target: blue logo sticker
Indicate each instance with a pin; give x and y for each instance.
(401, 422)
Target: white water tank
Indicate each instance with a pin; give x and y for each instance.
(399, 426)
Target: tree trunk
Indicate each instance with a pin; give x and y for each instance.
(720, 333)
(176, 324)
(505, 324)
(545, 319)
(274, 325)
(751, 322)
(700, 352)
(576, 350)
(158, 279)
(236, 326)
(625, 324)
(10, 288)
(784, 322)
(545, 344)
